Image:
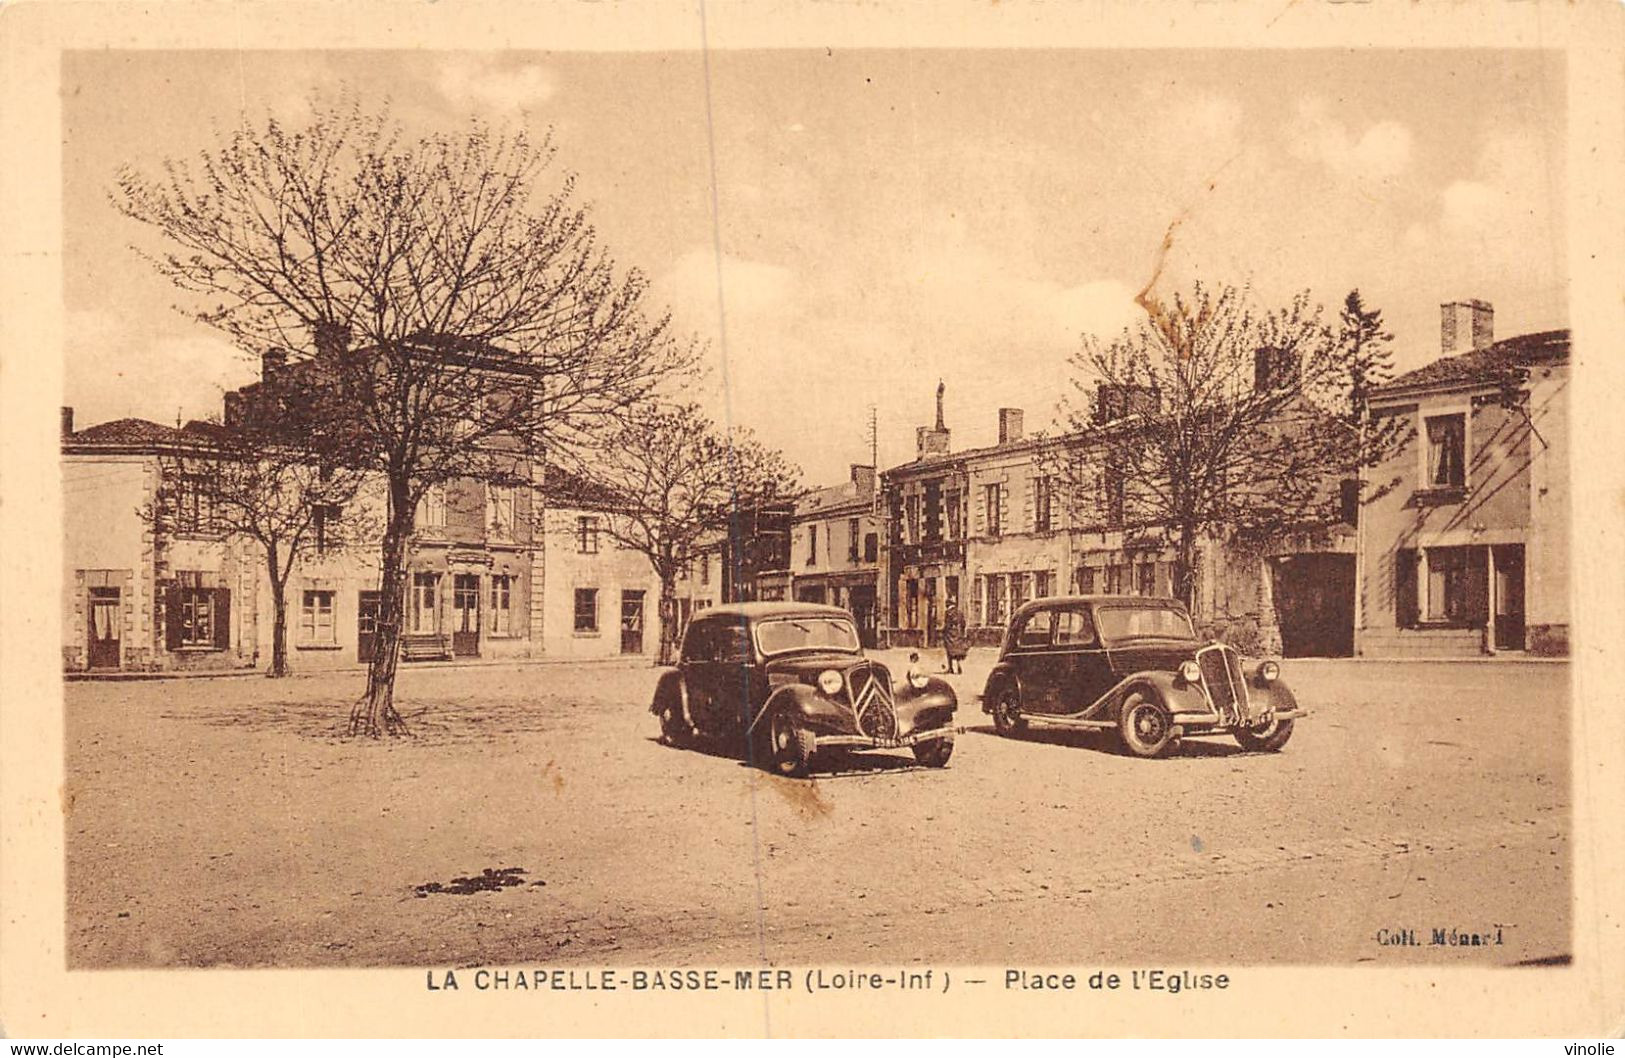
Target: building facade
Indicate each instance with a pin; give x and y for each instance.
(1029, 517)
(142, 594)
(1466, 553)
(922, 550)
(493, 571)
(835, 549)
(599, 599)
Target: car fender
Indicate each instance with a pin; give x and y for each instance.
(1278, 696)
(1003, 675)
(670, 681)
(1176, 694)
(927, 708)
(810, 706)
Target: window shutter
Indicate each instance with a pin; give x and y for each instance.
(1029, 507)
(222, 618)
(172, 617)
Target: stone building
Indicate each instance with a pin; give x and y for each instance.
(142, 594)
(1466, 553)
(599, 599)
(922, 552)
(1029, 517)
(835, 548)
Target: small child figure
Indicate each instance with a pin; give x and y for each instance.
(914, 666)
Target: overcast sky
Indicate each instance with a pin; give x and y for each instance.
(889, 218)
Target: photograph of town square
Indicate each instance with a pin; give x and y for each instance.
(401, 564)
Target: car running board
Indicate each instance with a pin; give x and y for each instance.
(1068, 721)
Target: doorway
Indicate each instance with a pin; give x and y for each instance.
(1509, 592)
(631, 622)
(106, 625)
(465, 615)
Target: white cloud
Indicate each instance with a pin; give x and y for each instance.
(494, 85)
(1380, 152)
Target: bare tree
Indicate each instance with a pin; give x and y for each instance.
(674, 481)
(1209, 417)
(242, 481)
(463, 318)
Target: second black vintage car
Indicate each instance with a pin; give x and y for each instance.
(782, 681)
(1135, 666)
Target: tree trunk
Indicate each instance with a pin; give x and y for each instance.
(1185, 568)
(279, 616)
(668, 617)
(374, 712)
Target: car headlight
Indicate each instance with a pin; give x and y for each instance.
(1190, 672)
(918, 680)
(1268, 672)
(829, 681)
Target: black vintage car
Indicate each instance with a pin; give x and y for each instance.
(785, 680)
(1133, 665)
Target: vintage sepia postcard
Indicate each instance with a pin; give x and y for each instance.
(811, 519)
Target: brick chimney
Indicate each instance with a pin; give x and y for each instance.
(863, 476)
(1466, 325)
(272, 361)
(1010, 423)
(933, 441)
(67, 420)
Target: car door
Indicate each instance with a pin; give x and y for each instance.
(1038, 669)
(734, 672)
(1085, 667)
(697, 665)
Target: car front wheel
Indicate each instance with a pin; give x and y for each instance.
(1268, 738)
(1145, 725)
(935, 753)
(791, 746)
(1007, 719)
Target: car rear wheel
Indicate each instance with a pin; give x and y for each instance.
(790, 746)
(935, 753)
(1145, 724)
(1266, 739)
(675, 730)
(1007, 718)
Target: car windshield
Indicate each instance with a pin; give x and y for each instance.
(805, 633)
(1141, 622)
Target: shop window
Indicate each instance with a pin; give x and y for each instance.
(425, 603)
(197, 617)
(995, 599)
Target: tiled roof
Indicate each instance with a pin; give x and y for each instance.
(139, 433)
(833, 496)
(1483, 365)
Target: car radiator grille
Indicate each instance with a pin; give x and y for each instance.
(1223, 681)
(872, 702)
